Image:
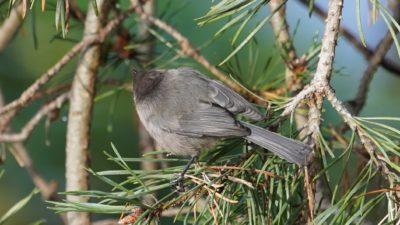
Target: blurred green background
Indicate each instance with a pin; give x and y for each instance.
(21, 64)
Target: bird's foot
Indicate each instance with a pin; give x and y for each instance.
(180, 187)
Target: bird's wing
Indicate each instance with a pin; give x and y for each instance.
(212, 121)
(232, 101)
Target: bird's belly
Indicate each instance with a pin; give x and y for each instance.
(178, 144)
(174, 143)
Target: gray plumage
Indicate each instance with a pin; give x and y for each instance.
(187, 112)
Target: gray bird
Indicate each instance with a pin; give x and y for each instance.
(187, 112)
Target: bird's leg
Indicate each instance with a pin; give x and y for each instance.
(179, 181)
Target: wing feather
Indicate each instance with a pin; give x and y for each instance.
(232, 101)
(213, 122)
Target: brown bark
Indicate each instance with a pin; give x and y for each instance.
(10, 26)
(79, 117)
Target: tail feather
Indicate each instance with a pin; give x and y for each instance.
(292, 150)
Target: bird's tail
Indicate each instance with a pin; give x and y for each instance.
(292, 150)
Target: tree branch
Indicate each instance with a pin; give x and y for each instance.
(388, 64)
(365, 140)
(28, 128)
(187, 48)
(294, 66)
(373, 64)
(320, 82)
(21, 155)
(10, 26)
(320, 87)
(80, 114)
(76, 12)
(315, 93)
(281, 30)
(26, 96)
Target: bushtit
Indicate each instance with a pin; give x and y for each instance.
(187, 112)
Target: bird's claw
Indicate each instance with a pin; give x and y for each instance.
(180, 187)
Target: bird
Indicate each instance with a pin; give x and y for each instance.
(187, 112)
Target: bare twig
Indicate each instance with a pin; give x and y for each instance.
(10, 26)
(146, 142)
(368, 53)
(171, 212)
(28, 128)
(7, 117)
(187, 48)
(310, 196)
(80, 114)
(281, 31)
(292, 62)
(6, 120)
(320, 88)
(27, 95)
(384, 45)
(321, 79)
(365, 140)
(21, 155)
(265, 173)
(315, 93)
(373, 64)
(291, 106)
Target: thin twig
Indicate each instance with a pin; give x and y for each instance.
(320, 82)
(365, 140)
(292, 104)
(210, 190)
(187, 48)
(28, 94)
(373, 64)
(294, 83)
(358, 103)
(265, 173)
(310, 195)
(368, 53)
(76, 12)
(21, 155)
(280, 28)
(28, 128)
(315, 92)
